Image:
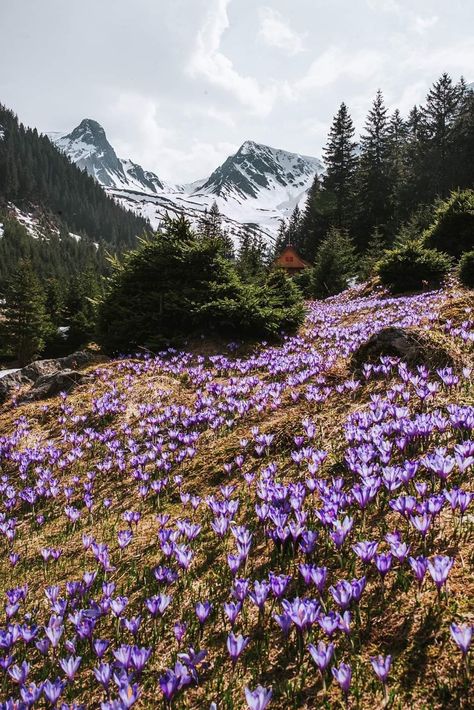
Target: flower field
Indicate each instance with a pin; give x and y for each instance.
(248, 530)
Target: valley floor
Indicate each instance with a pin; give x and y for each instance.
(287, 495)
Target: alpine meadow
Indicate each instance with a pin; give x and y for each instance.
(236, 380)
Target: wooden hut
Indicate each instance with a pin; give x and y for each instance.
(291, 261)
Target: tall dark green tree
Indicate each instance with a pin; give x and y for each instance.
(341, 161)
(443, 104)
(314, 221)
(26, 324)
(252, 256)
(210, 226)
(334, 265)
(374, 185)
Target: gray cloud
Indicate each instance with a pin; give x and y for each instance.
(179, 84)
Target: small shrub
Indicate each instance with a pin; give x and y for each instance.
(453, 228)
(466, 269)
(412, 267)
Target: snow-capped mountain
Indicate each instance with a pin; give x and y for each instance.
(88, 147)
(258, 185)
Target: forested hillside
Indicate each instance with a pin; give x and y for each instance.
(33, 171)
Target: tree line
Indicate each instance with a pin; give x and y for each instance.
(387, 181)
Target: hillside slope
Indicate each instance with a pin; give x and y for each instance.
(279, 493)
(34, 172)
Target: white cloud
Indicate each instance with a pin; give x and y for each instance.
(335, 63)
(275, 32)
(160, 149)
(423, 24)
(209, 62)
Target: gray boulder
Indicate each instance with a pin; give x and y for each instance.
(412, 346)
(48, 377)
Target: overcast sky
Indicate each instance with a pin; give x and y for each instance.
(179, 84)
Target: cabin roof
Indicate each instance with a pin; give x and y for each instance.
(290, 259)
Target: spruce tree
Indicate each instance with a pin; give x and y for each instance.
(341, 162)
(314, 221)
(376, 248)
(334, 265)
(210, 226)
(374, 188)
(443, 103)
(26, 324)
(252, 256)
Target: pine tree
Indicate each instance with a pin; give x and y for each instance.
(294, 226)
(281, 240)
(334, 265)
(252, 256)
(375, 250)
(341, 162)
(397, 167)
(314, 221)
(26, 324)
(210, 226)
(442, 108)
(374, 188)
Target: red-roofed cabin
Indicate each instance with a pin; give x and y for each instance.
(291, 261)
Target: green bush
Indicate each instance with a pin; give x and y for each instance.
(466, 269)
(413, 267)
(453, 228)
(178, 284)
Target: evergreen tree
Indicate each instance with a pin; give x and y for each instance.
(374, 188)
(397, 167)
(314, 221)
(281, 240)
(294, 227)
(341, 162)
(252, 256)
(443, 103)
(210, 226)
(26, 324)
(375, 250)
(334, 265)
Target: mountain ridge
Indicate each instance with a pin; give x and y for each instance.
(258, 185)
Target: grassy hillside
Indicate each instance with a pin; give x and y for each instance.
(170, 481)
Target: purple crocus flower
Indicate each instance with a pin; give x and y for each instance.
(203, 609)
(462, 636)
(439, 568)
(419, 566)
(100, 647)
(235, 645)
(321, 654)
(383, 562)
(259, 698)
(19, 673)
(232, 610)
(70, 666)
(169, 684)
(284, 622)
(365, 549)
(381, 667)
(342, 593)
(343, 676)
(52, 690)
(103, 674)
(179, 630)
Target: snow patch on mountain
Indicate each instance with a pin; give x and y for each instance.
(257, 186)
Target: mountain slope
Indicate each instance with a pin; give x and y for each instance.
(257, 186)
(87, 146)
(33, 171)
